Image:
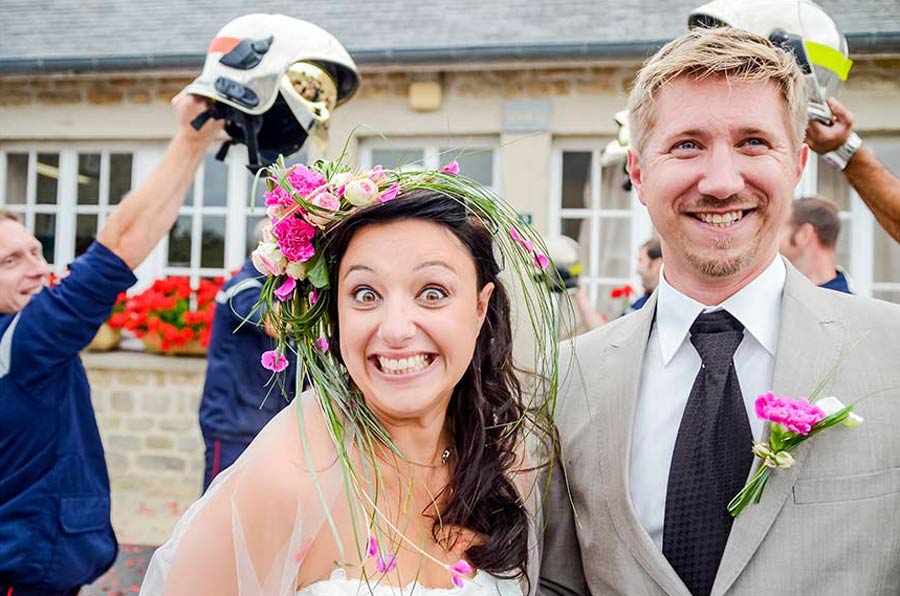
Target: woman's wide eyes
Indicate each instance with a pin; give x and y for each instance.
(433, 294)
(365, 296)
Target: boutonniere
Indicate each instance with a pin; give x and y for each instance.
(793, 420)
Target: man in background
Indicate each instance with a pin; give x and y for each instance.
(809, 241)
(649, 262)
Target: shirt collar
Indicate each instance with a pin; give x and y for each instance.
(757, 306)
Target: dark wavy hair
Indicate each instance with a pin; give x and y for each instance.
(486, 409)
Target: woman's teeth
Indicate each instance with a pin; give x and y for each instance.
(723, 220)
(404, 366)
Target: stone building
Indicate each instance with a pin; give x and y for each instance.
(523, 92)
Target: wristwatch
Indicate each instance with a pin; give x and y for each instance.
(841, 156)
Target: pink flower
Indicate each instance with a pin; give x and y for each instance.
(458, 569)
(313, 296)
(377, 174)
(386, 564)
(526, 244)
(286, 289)
(382, 564)
(304, 180)
(295, 239)
(390, 194)
(796, 415)
(329, 205)
(451, 168)
(541, 261)
(322, 343)
(268, 260)
(278, 197)
(273, 361)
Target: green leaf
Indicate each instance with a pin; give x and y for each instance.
(317, 274)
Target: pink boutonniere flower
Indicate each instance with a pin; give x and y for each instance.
(792, 421)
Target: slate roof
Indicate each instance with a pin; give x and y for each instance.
(97, 34)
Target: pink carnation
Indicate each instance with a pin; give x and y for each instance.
(295, 237)
(278, 197)
(304, 180)
(273, 361)
(796, 415)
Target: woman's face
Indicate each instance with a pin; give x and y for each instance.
(409, 311)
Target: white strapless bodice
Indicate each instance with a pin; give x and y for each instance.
(483, 584)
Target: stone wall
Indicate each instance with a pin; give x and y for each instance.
(146, 408)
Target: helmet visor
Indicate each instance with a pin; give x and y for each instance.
(311, 93)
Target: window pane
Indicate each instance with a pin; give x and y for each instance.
(85, 232)
(579, 230)
(250, 240)
(842, 251)
(576, 179)
(391, 159)
(16, 178)
(477, 164)
(832, 185)
(88, 178)
(215, 182)
(119, 176)
(212, 247)
(889, 295)
(190, 196)
(615, 246)
(613, 194)
(887, 258)
(45, 231)
(48, 178)
(180, 242)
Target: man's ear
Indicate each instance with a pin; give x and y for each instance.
(484, 300)
(635, 173)
(804, 235)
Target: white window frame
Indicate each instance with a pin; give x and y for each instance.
(431, 146)
(641, 226)
(66, 208)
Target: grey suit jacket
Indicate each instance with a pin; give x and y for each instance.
(830, 525)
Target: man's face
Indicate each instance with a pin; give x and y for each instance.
(648, 270)
(717, 174)
(23, 270)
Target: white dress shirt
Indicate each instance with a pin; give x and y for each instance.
(670, 365)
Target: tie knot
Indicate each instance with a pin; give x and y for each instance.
(716, 335)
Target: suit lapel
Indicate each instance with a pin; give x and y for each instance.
(620, 373)
(810, 341)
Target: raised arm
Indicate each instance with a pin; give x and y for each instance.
(149, 211)
(875, 184)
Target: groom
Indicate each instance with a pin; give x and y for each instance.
(652, 454)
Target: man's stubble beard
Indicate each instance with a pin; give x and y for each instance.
(720, 267)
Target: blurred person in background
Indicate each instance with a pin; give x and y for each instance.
(648, 266)
(809, 241)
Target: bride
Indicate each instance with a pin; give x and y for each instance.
(409, 467)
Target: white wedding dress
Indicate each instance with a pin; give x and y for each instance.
(483, 584)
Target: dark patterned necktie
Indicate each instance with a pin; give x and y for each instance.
(712, 457)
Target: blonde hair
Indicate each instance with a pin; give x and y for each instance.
(726, 52)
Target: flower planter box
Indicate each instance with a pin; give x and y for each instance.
(106, 339)
(153, 343)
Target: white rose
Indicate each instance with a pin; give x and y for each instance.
(296, 270)
(361, 192)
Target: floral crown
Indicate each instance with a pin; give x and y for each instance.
(304, 204)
